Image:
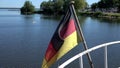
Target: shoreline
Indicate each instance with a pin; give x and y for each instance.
(101, 15)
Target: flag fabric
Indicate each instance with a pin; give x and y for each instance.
(64, 39)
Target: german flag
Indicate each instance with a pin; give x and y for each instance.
(64, 39)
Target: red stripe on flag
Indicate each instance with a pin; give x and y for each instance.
(68, 29)
(50, 52)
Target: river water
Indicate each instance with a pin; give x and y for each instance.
(24, 40)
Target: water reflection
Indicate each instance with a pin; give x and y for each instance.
(82, 19)
(28, 18)
(57, 18)
(108, 20)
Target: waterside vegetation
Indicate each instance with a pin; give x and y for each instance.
(106, 6)
(27, 8)
(105, 9)
(101, 14)
(55, 7)
(60, 6)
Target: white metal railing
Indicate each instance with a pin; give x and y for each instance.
(105, 45)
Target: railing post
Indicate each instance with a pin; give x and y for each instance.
(81, 62)
(105, 57)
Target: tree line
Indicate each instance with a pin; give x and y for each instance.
(53, 7)
(106, 5)
(60, 6)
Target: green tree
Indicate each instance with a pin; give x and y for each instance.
(94, 6)
(43, 5)
(28, 8)
(104, 4)
(107, 4)
(58, 6)
(79, 4)
(118, 5)
(86, 5)
(47, 7)
(51, 7)
(61, 5)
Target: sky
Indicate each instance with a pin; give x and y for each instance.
(36, 3)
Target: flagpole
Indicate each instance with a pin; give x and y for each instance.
(81, 34)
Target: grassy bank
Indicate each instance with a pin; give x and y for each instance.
(100, 14)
